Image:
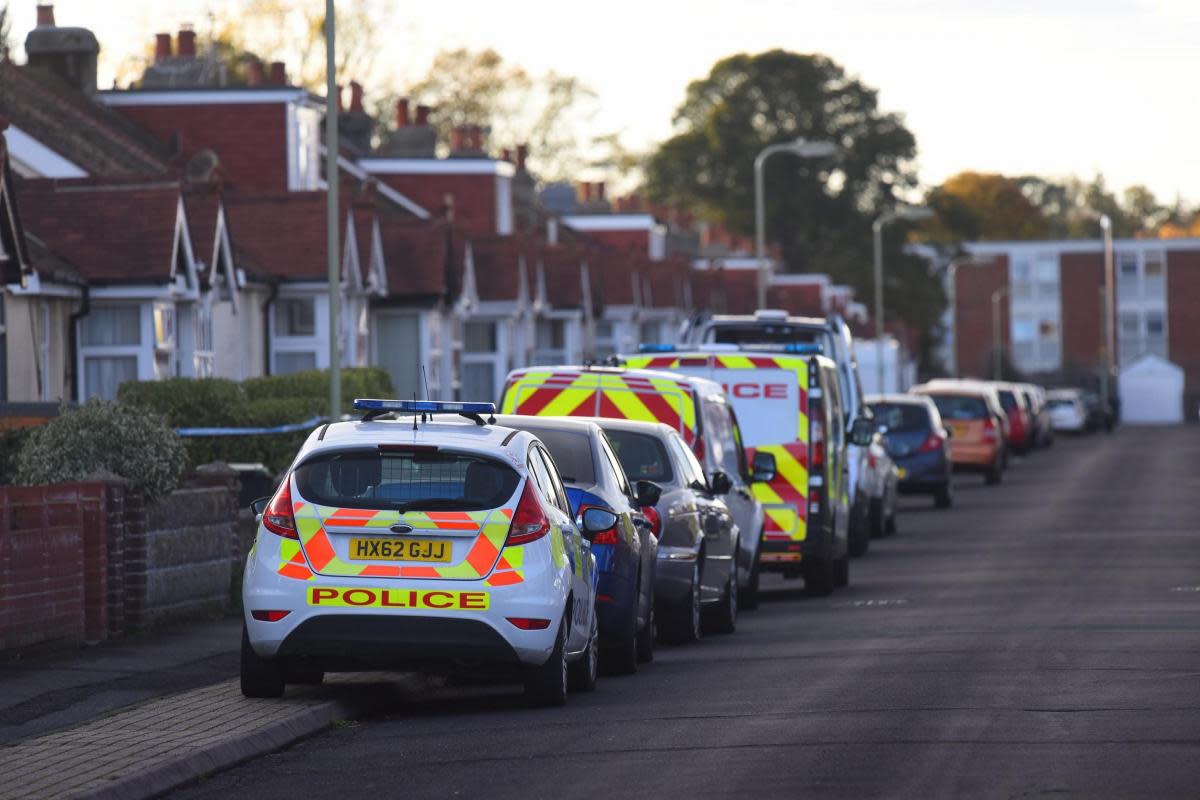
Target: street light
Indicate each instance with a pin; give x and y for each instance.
(801, 148)
(1110, 366)
(997, 339)
(331, 211)
(909, 214)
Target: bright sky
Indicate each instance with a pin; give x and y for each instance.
(1050, 87)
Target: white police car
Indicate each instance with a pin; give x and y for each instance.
(406, 541)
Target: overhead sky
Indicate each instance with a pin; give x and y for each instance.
(1050, 87)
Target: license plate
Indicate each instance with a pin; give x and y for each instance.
(364, 549)
(901, 473)
(959, 431)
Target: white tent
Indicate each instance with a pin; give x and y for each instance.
(1151, 391)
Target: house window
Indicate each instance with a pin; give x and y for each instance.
(288, 362)
(296, 341)
(649, 333)
(202, 340)
(480, 360)
(110, 343)
(551, 341)
(296, 317)
(304, 160)
(164, 341)
(605, 346)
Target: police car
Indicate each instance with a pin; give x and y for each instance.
(409, 540)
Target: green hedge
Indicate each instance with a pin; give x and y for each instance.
(258, 402)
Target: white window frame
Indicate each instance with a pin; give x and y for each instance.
(303, 148)
(316, 343)
(143, 351)
(497, 358)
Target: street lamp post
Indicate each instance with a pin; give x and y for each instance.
(997, 337)
(331, 211)
(911, 214)
(801, 148)
(1109, 329)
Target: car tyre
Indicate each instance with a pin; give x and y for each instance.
(546, 685)
(722, 618)
(621, 656)
(993, 475)
(681, 622)
(860, 536)
(748, 597)
(890, 527)
(646, 636)
(841, 572)
(818, 576)
(944, 496)
(583, 673)
(875, 521)
(260, 677)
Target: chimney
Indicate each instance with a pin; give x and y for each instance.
(162, 46)
(475, 138)
(402, 112)
(600, 191)
(458, 139)
(522, 155)
(340, 108)
(356, 97)
(187, 43)
(255, 74)
(278, 74)
(506, 155)
(423, 113)
(45, 15)
(68, 53)
(587, 191)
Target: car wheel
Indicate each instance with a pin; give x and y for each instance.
(993, 475)
(749, 596)
(546, 685)
(260, 677)
(944, 497)
(723, 617)
(583, 673)
(646, 636)
(890, 526)
(874, 520)
(818, 576)
(841, 572)
(621, 657)
(860, 535)
(681, 622)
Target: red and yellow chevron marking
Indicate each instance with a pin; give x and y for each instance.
(314, 552)
(611, 394)
(784, 499)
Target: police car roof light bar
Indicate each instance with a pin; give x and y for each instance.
(376, 408)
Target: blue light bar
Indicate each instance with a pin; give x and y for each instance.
(656, 348)
(808, 348)
(424, 406)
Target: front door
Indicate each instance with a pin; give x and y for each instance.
(398, 350)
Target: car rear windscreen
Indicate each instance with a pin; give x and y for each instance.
(960, 406)
(643, 456)
(1008, 400)
(766, 333)
(1060, 402)
(406, 480)
(572, 453)
(900, 417)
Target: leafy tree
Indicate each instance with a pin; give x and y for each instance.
(820, 211)
(975, 206)
(478, 87)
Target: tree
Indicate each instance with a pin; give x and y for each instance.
(982, 206)
(5, 31)
(478, 87)
(819, 211)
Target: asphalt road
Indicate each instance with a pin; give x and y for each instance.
(1041, 638)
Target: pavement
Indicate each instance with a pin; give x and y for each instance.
(1038, 639)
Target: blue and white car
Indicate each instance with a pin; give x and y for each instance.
(411, 541)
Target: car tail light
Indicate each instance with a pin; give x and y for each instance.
(278, 517)
(529, 623)
(268, 616)
(698, 448)
(602, 537)
(872, 461)
(655, 520)
(817, 440)
(814, 501)
(989, 430)
(932, 442)
(529, 521)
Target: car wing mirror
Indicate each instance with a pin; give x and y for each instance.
(595, 521)
(720, 483)
(763, 468)
(862, 432)
(259, 506)
(648, 493)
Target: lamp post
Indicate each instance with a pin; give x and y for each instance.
(997, 337)
(910, 214)
(331, 211)
(801, 148)
(1108, 332)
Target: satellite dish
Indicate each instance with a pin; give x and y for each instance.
(202, 167)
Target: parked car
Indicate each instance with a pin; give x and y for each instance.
(693, 406)
(976, 432)
(918, 443)
(438, 547)
(775, 329)
(1020, 423)
(881, 485)
(1067, 410)
(625, 551)
(1034, 398)
(1099, 415)
(697, 537)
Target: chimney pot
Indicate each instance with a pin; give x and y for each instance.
(599, 190)
(356, 96)
(187, 43)
(458, 138)
(587, 191)
(423, 113)
(255, 74)
(278, 73)
(45, 15)
(522, 154)
(476, 138)
(402, 112)
(162, 46)
(506, 155)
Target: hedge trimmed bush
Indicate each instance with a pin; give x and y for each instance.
(129, 441)
(256, 403)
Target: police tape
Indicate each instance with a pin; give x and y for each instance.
(292, 428)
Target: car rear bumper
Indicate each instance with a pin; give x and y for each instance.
(923, 472)
(979, 456)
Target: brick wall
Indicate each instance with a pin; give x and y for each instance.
(973, 286)
(1183, 332)
(474, 197)
(1080, 276)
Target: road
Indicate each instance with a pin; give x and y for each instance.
(1041, 638)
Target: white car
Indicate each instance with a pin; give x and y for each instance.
(1067, 411)
(414, 544)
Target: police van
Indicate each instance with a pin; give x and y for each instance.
(791, 405)
(695, 407)
(411, 542)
